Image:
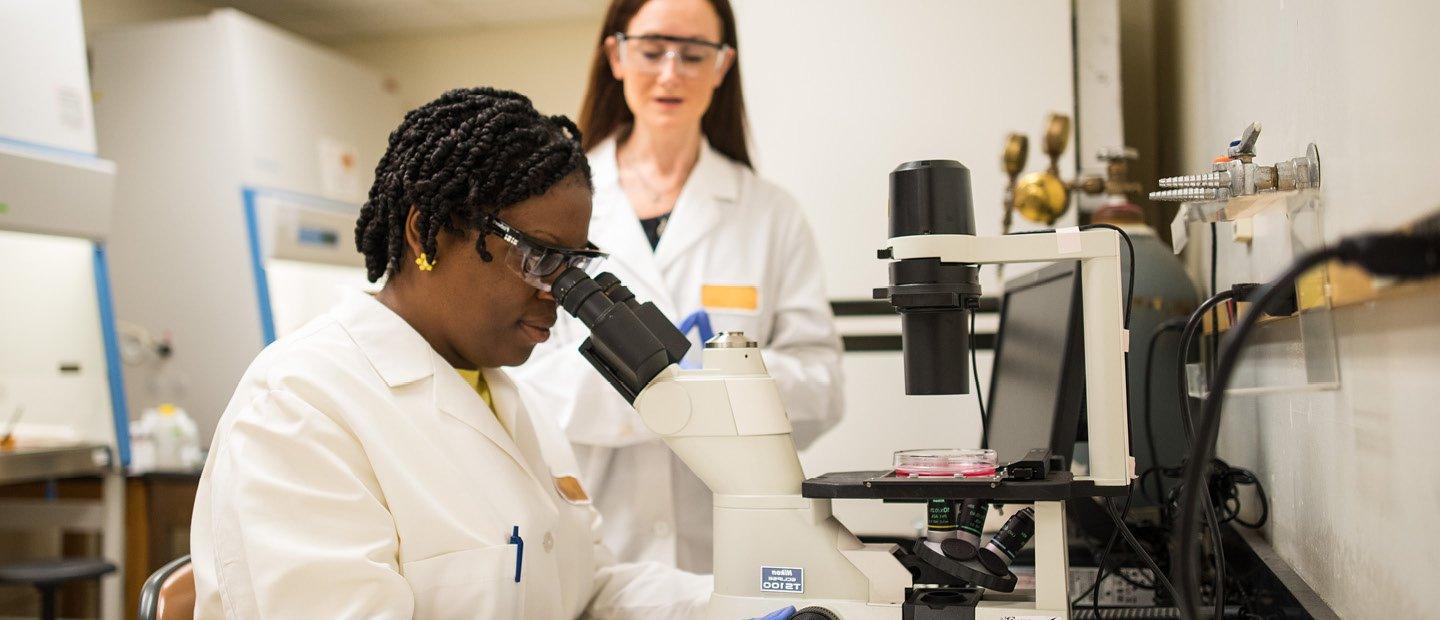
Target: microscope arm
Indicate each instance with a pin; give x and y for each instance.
(1105, 339)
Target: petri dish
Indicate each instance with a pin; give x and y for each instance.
(945, 462)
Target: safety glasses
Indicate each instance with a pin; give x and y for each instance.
(538, 263)
(648, 53)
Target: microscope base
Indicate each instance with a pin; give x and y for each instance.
(777, 550)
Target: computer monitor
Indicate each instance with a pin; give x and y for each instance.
(1037, 383)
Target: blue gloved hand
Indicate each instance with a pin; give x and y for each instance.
(779, 614)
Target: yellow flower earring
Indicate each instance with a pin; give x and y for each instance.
(424, 263)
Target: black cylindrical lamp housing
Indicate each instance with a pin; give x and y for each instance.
(934, 299)
(931, 197)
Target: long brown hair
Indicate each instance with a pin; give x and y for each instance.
(603, 112)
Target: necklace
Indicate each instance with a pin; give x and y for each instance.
(656, 194)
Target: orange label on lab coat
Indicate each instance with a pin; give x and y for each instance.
(727, 297)
(571, 490)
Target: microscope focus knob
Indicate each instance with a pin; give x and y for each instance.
(814, 613)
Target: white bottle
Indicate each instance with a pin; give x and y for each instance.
(175, 437)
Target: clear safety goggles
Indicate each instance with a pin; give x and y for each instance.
(648, 53)
(538, 263)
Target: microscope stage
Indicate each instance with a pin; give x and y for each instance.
(885, 485)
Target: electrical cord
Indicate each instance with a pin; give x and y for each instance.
(1100, 560)
(1129, 248)
(1399, 255)
(1214, 288)
(1174, 324)
(1202, 448)
(1130, 278)
(979, 398)
(1225, 484)
(1144, 555)
(1187, 340)
(1187, 337)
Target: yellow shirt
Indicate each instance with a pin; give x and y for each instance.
(477, 381)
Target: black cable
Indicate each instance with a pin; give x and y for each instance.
(1140, 551)
(1202, 450)
(1155, 470)
(979, 398)
(1187, 338)
(1130, 278)
(1129, 248)
(1174, 324)
(1214, 288)
(1264, 508)
(1100, 560)
(1225, 485)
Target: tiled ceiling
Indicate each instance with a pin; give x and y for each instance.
(338, 20)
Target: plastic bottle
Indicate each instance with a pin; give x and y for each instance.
(175, 438)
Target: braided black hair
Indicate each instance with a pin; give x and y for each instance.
(459, 159)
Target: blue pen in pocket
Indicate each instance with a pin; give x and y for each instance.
(519, 550)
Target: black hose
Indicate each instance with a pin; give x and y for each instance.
(1208, 431)
(1192, 326)
(1173, 324)
(979, 398)
(1140, 551)
(1187, 340)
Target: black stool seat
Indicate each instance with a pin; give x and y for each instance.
(54, 572)
(46, 575)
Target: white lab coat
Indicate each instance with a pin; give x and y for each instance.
(355, 474)
(729, 228)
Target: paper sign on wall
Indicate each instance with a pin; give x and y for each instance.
(340, 171)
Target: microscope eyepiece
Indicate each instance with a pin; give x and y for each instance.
(630, 342)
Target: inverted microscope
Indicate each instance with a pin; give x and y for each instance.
(777, 542)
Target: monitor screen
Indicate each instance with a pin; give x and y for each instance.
(1036, 385)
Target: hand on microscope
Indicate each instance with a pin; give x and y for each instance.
(779, 614)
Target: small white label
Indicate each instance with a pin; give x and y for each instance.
(1030, 617)
(1067, 240)
(782, 579)
(1179, 233)
(70, 103)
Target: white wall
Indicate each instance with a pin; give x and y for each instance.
(546, 61)
(835, 107)
(1353, 495)
(102, 15)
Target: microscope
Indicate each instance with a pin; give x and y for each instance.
(777, 542)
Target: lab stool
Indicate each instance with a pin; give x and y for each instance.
(47, 575)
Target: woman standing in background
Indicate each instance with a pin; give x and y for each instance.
(691, 227)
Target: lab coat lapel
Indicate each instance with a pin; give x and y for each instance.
(548, 464)
(614, 221)
(455, 397)
(712, 186)
(401, 356)
(516, 417)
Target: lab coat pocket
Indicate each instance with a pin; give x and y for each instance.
(474, 583)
